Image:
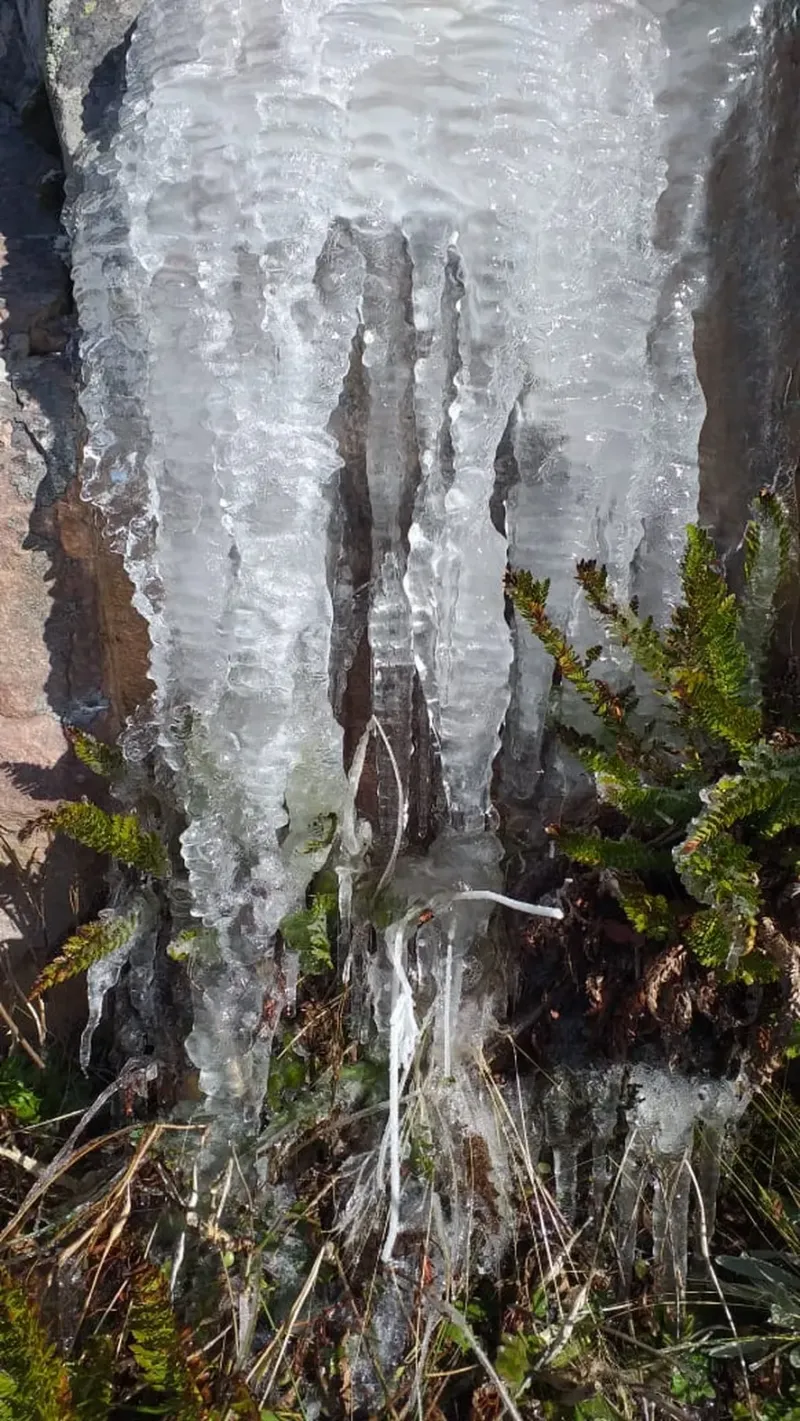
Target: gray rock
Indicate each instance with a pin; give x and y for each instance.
(78, 47)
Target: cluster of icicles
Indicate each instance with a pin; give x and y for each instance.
(442, 220)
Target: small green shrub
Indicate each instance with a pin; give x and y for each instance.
(704, 791)
(34, 1382)
(18, 1098)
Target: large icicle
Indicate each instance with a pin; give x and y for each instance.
(389, 440)
(607, 429)
(249, 300)
(711, 51)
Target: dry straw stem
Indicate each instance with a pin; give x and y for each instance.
(262, 1361)
(20, 1040)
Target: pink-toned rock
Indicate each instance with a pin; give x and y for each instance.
(73, 650)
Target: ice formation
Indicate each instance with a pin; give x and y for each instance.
(498, 207)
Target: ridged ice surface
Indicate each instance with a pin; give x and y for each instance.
(500, 204)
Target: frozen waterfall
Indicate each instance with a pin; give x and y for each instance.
(463, 225)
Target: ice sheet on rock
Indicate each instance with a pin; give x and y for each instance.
(606, 432)
(473, 187)
(245, 302)
(711, 51)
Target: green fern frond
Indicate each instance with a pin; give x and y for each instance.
(34, 1383)
(306, 932)
(724, 875)
(626, 855)
(784, 814)
(86, 946)
(770, 550)
(92, 1379)
(104, 760)
(768, 786)
(711, 667)
(158, 1346)
(770, 518)
(530, 598)
(120, 835)
(195, 944)
(621, 785)
(709, 938)
(623, 624)
(649, 913)
(710, 631)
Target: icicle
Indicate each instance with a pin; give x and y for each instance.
(387, 360)
(627, 1202)
(103, 975)
(603, 1089)
(563, 1139)
(403, 1035)
(447, 1008)
(671, 1197)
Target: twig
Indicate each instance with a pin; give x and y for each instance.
(26, 1162)
(459, 1320)
(535, 910)
(68, 1155)
(20, 1039)
(297, 1308)
(702, 1233)
(401, 810)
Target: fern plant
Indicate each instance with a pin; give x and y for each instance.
(122, 837)
(87, 945)
(119, 835)
(105, 760)
(34, 1381)
(705, 790)
(158, 1346)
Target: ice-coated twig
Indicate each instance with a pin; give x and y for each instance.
(401, 808)
(448, 1006)
(351, 831)
(403, 1034)
(535, 910)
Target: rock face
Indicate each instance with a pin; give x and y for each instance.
(79, 46)
(73, 649)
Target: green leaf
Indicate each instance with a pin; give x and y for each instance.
(87, 945)
(513, 1361)
(120, 835)
(761, 1271)
(104, 760)
(17, 1097)
(306, 932)
(711, 670)
(626, 855)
